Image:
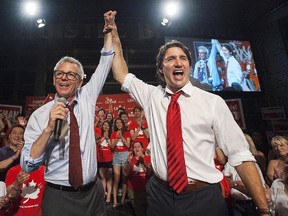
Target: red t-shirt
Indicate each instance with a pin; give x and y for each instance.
(137, 176)
(29, 201)
(141, 136)
(120, 147)
(105, 153)
(97, 131)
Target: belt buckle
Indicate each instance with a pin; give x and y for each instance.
(191, 181)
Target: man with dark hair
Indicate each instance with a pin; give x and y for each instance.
(10, 154)
(183, 137)
(233, 76)
(125, 117)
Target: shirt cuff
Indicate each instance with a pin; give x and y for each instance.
(239, 158)
(107, 53)
(31, 164)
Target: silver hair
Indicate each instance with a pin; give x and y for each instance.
(204, 48)
(73, 61)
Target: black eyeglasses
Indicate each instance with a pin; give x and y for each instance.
(58, 74)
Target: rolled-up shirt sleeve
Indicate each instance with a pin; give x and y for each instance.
(29, 164)
(229, 136)
(37, 123)
(127, 82)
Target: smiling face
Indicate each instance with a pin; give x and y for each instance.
(226, 52)
(67, 88)
(175, 68)
(281, 148)
(202, 54)
(106, 126)
(137, 112)
(119, 124)
(16, 135)
(109, 117)
(137, 149)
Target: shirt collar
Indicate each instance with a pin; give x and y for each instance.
(75, 98)
(187, 89)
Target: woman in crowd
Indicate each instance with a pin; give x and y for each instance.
(259, 156)
(278, 196)
(138, 169)
(276, 167)
(105, 158)
(120, 139)
(110, 119)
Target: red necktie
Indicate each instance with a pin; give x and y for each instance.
(177, 175)
(75, 164)
(225, 75)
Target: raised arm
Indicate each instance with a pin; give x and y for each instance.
(119, 66)
(218, 47)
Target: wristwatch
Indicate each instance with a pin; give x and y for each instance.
(268, 211)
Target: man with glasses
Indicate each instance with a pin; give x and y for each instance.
(67, 193)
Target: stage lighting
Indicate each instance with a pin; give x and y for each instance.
(31, 8)
(166, 22)
(40, 23)
(171, 8)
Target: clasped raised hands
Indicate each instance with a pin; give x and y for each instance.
(109, 18)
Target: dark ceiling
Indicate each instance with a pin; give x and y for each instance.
(198, 13)
(203, 18)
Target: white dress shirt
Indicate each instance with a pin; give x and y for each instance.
(56, 154)
(234, 71)
(206, 122)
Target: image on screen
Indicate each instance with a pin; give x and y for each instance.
(221, 65)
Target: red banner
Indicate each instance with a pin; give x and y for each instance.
(125, 101)
(235, 106)
(10, 112)
(117, 100)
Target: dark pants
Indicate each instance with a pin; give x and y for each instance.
(244, 208)
(205, 201)
(62, 203)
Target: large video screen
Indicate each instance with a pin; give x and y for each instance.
(221, 65)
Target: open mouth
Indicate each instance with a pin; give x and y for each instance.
(178, 74)
(63, 84)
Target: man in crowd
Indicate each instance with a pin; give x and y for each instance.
(10, 154)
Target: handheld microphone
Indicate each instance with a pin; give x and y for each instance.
(58, 123)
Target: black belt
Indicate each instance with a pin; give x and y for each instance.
(83, 188)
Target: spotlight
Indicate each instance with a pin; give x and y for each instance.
(172, 8)
(31, 8)
(40, 23)
(166, 22)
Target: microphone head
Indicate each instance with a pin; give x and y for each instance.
(62, 100)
